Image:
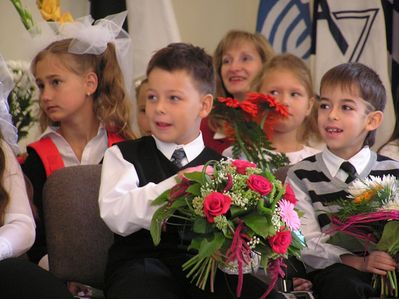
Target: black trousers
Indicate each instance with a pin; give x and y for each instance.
(150, 278)
(21, 279)
(343, 282)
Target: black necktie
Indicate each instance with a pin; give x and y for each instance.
(350, 170)
(177, 157)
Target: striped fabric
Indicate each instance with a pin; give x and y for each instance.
(313, 177)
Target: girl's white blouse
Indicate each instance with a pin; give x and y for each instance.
(17, 234)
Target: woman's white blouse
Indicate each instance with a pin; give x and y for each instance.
(17, 234)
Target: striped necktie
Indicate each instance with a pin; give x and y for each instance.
(177, 157)
(350, 170)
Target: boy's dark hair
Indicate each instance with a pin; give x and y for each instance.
(194, 60)
(358, 78)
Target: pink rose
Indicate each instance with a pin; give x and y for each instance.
(242, 165)
(259, 184)
(280, 242)
(216, 204)
(289, 194)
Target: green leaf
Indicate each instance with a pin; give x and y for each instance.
(201, 226)
(161, 199)
(156, 223)
(178, 203)
(389, 241)
(194, 189)
(196, 176)
(195, 243)
(236, 211)
(349, 242)
(208, 248)
(260, 224)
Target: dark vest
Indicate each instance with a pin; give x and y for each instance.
(151, 166)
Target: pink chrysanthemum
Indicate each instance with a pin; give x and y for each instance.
(289, 215)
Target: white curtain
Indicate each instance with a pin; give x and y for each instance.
(152, 25)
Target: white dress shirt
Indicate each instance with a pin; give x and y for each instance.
(17, 234)
(319, 254)
(92, 153)
(124, 206)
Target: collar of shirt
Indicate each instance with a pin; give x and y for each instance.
(192, 149)
(359, 161)
(50, 130)
(92, 154)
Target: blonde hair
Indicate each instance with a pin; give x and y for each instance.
(111, 104)
(233, 37)
(299, 69)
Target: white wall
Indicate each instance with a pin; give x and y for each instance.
(201, 22)
(14, 39)
(204, 22)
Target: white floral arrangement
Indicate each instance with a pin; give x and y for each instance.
(23, 99)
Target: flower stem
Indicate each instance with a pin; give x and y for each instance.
(243, 148)
(25, 16)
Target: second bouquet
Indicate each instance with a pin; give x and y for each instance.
(235, 217)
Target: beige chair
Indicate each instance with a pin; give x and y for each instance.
(77, 238)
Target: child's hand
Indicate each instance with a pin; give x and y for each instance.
(377, 262)
(301, 284)
(208, 171)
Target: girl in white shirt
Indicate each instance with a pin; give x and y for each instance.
(84, 104)
(288, 79)
(19, 278)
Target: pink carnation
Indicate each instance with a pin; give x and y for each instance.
(289, 215)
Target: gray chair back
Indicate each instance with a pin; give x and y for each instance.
(77, 238)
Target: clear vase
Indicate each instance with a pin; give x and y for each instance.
(250, 267)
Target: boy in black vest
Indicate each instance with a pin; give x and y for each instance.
(180, 94)
(352, 100)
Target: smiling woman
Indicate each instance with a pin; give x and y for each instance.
(238, 59)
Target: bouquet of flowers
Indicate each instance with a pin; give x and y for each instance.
(370, 217)
(238, 214)
(23, 99)
(250, 125)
